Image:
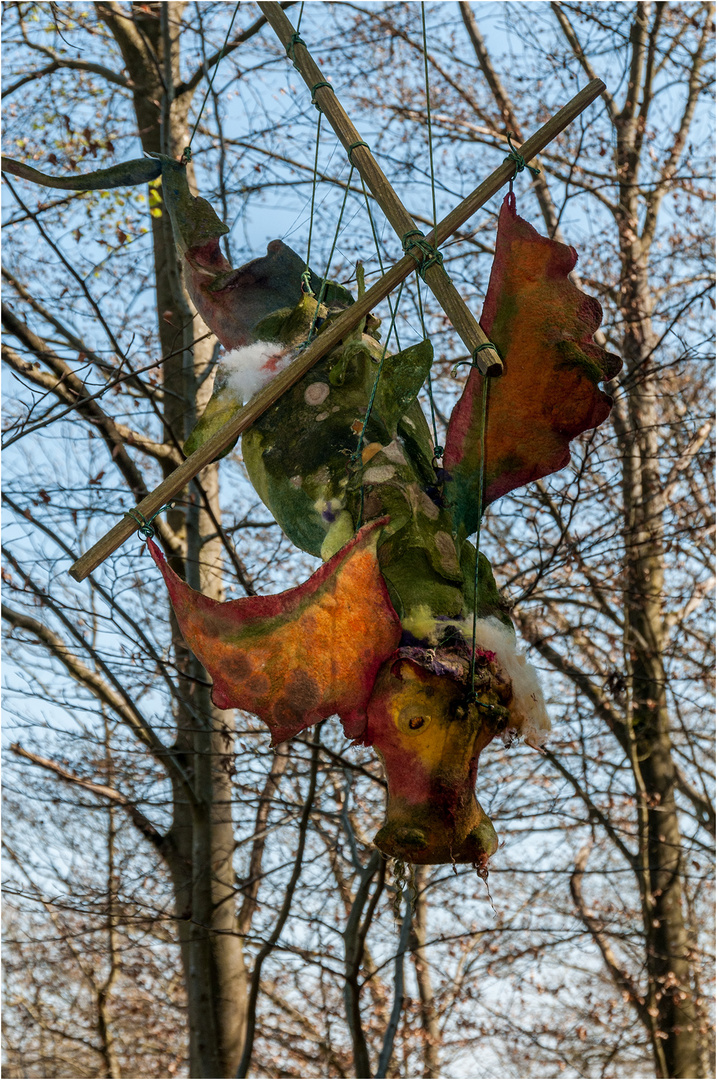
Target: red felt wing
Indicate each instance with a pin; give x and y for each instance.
(300, 656)
(543, 326)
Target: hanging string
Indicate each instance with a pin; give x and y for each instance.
(306, 276)
(428, 114)
(481, 479)
(437, 448)
(378, 253)
(296, 38)
(187, 152)
(356, 457)
(496, 711)
(357, 452)
(473, 357)
(324, 279)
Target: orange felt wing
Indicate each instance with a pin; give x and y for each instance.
(305, 654)
(543, 326)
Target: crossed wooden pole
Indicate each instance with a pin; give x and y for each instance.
(435, 276)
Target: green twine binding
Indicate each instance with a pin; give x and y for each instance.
(317, 86)
(353, 146)
(520, 162)
(430, 256)
(294, 40)
(145, 531)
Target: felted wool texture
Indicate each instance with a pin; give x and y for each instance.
(303, 655)
(248, 370)
(528, 714)
(543, 326)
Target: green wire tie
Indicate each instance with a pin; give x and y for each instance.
(498, 712)
(519, 160)
(314, 88)
(306, 283)
(186, 155)
(145, 531)
(430, 256)
(472, 361)
(294, 40)
(352, 147)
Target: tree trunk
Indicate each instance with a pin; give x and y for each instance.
(670, 995)
(201, 839)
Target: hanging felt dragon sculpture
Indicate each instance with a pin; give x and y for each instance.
(402, 632)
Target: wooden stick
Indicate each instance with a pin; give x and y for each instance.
(466, 325)
(330, 337)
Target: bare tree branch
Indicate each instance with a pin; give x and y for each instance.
(142, 823)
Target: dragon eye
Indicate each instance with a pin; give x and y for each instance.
(412, 723)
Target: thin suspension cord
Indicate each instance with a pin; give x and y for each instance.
(481, 481)
(437, 448)
(428, 113)
(188, 149)
(324, 279)
(380, 260)
(356, 456)
(306, 276)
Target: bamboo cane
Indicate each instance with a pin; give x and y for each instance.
(435, 276)
(330, 337)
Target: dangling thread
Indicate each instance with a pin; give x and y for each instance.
(356, 456)
(482, 873)
(474, 354)
(187, 152)
(437, 448)
(481, 477)
(374, 233)
(324, 280)
(400, 878)
(306, 276)
(294, 40)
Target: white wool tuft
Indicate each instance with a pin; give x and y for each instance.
(250, 368)
(528, 715)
